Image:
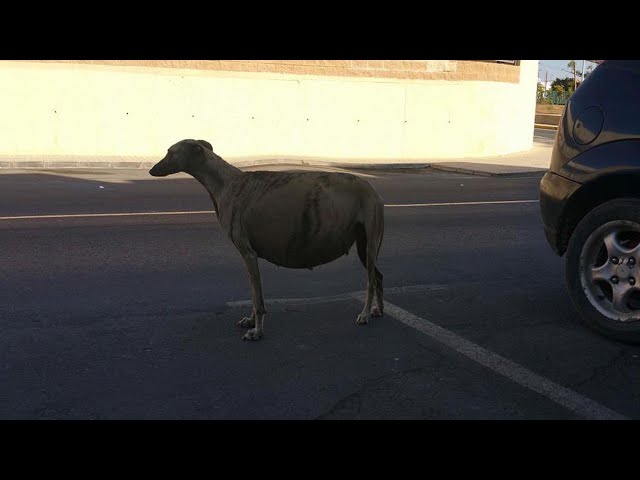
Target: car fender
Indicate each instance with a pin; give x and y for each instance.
(614, 158)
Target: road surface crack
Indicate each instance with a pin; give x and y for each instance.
(352, 404)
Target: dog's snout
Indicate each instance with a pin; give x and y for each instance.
(157, 170)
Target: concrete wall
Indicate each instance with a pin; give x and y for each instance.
(95, 109)
(553, 109)
(548, 118)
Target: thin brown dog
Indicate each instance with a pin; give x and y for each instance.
(291, 219)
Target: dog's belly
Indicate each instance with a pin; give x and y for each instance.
(304, 219)
(292, 254)
(293, 244)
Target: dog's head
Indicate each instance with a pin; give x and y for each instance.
(184, 156)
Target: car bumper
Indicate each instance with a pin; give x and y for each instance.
(555, 192)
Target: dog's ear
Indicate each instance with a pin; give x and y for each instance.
(205, 144)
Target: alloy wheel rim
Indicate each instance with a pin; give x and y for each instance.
(610, 270)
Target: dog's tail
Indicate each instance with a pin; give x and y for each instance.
(380, 219)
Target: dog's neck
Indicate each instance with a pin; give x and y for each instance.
(215, 175)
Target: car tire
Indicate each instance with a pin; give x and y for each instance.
(594, 274)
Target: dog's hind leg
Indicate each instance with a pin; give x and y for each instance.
(368, 247)
(378, 310)
(377, 236)
(361, 245)
(255, 322)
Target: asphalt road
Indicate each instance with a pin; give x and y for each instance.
(134, 316)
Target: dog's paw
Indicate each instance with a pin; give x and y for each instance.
(362, 319)
(252, 335)
(376, 312)
(247, 322)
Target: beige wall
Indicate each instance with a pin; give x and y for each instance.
(55, 108)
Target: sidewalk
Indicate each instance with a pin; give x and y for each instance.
(534, 160)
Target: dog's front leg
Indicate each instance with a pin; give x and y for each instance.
(257, 316)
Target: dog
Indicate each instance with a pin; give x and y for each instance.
(292, 219)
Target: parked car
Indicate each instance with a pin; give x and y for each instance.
(590, 199)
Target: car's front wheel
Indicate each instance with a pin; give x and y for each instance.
(603, 269)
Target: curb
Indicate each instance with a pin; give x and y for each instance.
(545, 126)
(43, 164)
(320, 163)
(484, 173)
(137, 165)
(145, 165)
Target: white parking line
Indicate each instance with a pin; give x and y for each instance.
(571, 400)
(335, 298)
(566, 397)
(449, 204)
(200, 212)
(90, 215)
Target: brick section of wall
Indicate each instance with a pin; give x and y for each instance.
(398, 69)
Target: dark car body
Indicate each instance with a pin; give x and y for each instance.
(596, 154)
